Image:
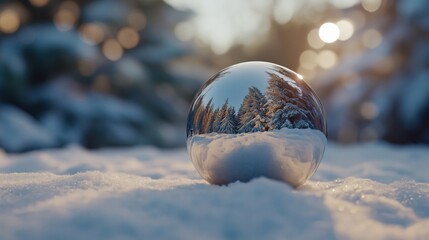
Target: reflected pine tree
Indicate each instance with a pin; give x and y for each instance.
(198, 115)
(283, 105)
(216, 120)
(252, 113)
(220, 117)
(286, 106)
(306, 101)
(229, 122)
(208, 116)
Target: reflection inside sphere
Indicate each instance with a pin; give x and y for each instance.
(256, 119)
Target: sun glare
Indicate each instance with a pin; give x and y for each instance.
(329, 32)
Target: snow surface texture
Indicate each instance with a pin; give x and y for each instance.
(290, 155)
(371, 191)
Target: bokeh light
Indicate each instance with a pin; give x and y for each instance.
(70, 6)
(329, 32)
(128, 37)
(346, 29)
(64, 20)
(66, 16)
(39, 3)
(371, 5)
(371, 38)
(308, 59)
(137, 20)
(326, 59)
(283, 11)
(368, 110)
(314, 40)
(92, 33)
(9, 21)
(112, 50)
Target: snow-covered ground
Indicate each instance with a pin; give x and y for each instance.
(369, 191)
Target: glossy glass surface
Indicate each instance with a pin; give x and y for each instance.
(256, 119)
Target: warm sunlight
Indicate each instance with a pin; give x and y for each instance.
(329, 32)
(227, 119)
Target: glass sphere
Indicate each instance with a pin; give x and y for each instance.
(256, 119)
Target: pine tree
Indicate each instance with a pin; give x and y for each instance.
(207, 121)
(290, 116)
(197, 116)
(220, 115)
(216, 120)
(233, 120)
(252, 114)
(120, 56)
(229, 122)
(286, 107)
(224, 109)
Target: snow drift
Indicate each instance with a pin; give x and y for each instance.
(290, 155)
(144, 193)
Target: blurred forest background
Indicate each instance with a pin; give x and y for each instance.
(108, 73)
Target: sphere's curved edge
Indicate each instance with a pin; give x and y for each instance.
(287, 155)
(256, 119)
(266, 63)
